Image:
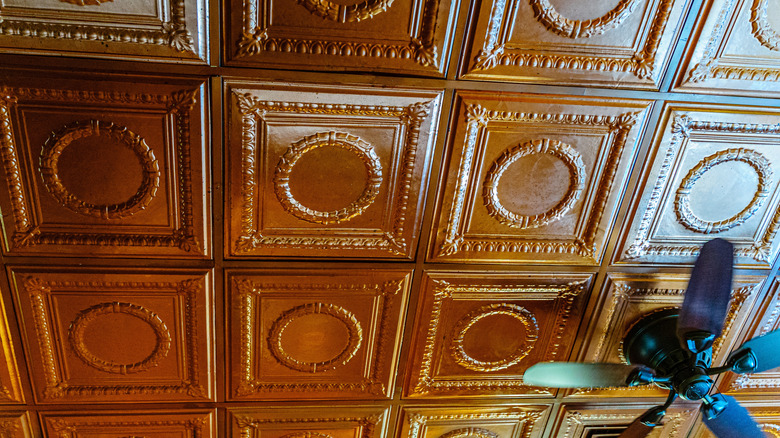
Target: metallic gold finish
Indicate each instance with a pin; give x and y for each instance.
(374, 213)
(465, 347)
(584, 420)
(332, 336)
(531, 41)
(513, 131)
(10, 384)
(166, 357)
(311, 422)
(183, 423)
(692, 142)
(15, 425)
(525, 421)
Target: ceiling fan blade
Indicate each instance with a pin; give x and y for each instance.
(579, 375)
(758, 354)
(707, 299)
(730, 419)
(644, 424)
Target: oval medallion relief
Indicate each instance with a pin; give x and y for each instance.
(346, 13)
(682, 202)
(470, 432)
(78, 331)
(315, 337)
(546, 14)
(353, 144)
(486, 329)
(564, 153)
(103, 132)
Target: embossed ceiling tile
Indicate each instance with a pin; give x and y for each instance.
(767, 382)
(411, 37)
(768, 417)
(627, 298)
(98, 336)
(328, 335)
(148, 424)
(622, 44)
(476, 333)
(168, 30)
(15, 425)
(104, 168)
(591, 420)
(709, 174)
(737, 50)
(521, 421)
(309, 422)
(10, 382)
(534, 178)
(322, 171)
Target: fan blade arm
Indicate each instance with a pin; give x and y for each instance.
(726, 418)
(756, 355)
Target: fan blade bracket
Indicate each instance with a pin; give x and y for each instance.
(641, 376)
(697, 341)
(653, 416)
(713, 405)
(743, 361)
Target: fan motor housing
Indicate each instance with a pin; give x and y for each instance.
(652, 341)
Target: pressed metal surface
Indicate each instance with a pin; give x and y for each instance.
(367, 219)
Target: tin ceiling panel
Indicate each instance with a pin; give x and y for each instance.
(103, 336)
(624, 44)
(586, 420)
(710, 174)
(160, 424)
(104, 168)
(323, 172)
(314, 421)
(737, 50)
(10, 383)
(412, 37)
(534, 179)
(15, 425)
(476, 333)
(173, 30)
(519, 421)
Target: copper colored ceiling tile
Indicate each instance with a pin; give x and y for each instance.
(522, 421)
(412, 37)
(103, 168)
(174, 30)
(15, 425)
(312, 422)
(328, 335)
(737, 50)
(622, 44)
(138, 423)
(99, 336)
(476, 333)
(533, 178)
(709, 174)
(592, 420)
(10, 383)
(766, 382)
(629, 297)
(319, 171)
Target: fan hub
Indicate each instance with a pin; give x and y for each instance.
(652, 341)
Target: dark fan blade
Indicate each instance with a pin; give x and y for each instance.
(578, 375)
(764, 354)
(640, 428)
(733, 421)
(707, 298)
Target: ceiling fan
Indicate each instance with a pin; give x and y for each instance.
(672, 349)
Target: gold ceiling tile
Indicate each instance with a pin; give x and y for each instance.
(328, 335)
(710, 173)
(15, 425)
(10, 382)
(737, 50)
(104, 168)
(108, 336)
(592, 420)
(533, 178)
(518, 421)
(622, 44)
(319, 171)
(309, 422)
(412, 37)
(476, 333)
(766, 382)
(182, 423)
(628, 297)
(767, 416)
(173, 30)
